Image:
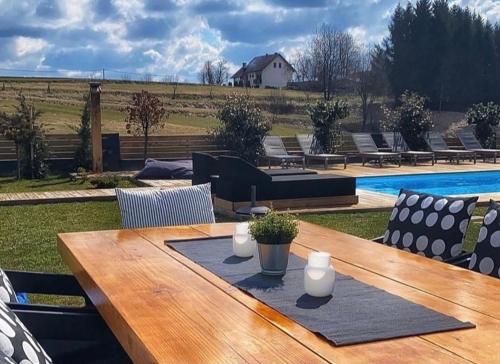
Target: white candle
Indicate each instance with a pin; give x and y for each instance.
(243, 244)
(319, 275)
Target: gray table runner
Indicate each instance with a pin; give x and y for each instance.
(356, 313)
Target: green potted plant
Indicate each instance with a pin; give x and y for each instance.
(274, 233)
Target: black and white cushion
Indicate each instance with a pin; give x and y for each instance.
(429, 225)
(16, 342)
(4, 359)
(153, 207)
(7, 293)
(486, 256)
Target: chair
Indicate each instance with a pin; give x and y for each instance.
(430, 225)
(396, 142)
(205, 170)
(437, 144)
(68, 334)
(367, 150)
(470, 142)
(275, 151)
(486, 256)
(312, 151)
(151, 207)
(237, 176)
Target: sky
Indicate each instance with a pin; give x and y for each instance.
(79, 38)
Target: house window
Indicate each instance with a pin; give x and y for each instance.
(280, 64)
(274, 64)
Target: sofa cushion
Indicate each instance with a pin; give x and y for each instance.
(177, 206)
(17, 342)
(429, 225)
(155, 169)
(7, 293)
(486, 257)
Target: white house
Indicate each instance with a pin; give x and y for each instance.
(270, 70)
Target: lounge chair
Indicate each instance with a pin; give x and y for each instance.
(470, 142)
(313, 152)
(396, 142)
(275, 151)
(237, 176)
(367, 150)
(437, 144)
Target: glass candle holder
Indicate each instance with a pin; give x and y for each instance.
(319, 275)
(243, 244)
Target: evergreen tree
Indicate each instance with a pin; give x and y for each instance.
(83, 156)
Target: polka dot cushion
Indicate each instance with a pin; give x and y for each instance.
(486, 257)
(16, 342)
(7, 293)
(429, 225)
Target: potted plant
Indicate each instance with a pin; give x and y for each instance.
(274, 233)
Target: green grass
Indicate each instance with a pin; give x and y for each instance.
(51, 183)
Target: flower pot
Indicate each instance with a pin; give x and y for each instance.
(273, 258)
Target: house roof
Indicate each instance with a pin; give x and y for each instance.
(258, 64)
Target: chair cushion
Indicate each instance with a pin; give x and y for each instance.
(429, 225)
(155, 169)
(7, 293)
(153, 207)
(4, 359)
(17, 342)
(486, 257)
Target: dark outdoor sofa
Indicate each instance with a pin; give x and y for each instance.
(236, 177)
(206, 169)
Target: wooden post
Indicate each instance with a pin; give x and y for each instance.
(95, 119)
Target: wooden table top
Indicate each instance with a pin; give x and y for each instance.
(163, 308)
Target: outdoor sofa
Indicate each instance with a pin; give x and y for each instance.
(281, 191)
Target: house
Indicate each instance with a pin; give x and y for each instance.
(270, 70)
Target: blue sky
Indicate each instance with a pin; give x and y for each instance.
(174, 37)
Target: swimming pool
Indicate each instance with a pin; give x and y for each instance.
(459, 183)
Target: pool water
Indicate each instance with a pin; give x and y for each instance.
(459, 183)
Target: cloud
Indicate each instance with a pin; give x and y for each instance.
(166, 37)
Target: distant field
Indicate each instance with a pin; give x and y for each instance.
(193, 111)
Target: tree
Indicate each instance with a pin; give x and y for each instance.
(145, 114)
(242, 127)
(221, 72)
(364, 83)
(207, 73)
(83, 155)
(325, 117)
(28, 135)
(411, 119)
(333, 55)
(173, 80)
(485, 118)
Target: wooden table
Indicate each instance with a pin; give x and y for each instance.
(163, 308)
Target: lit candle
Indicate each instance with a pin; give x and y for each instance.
(319, 275)
(243, 244)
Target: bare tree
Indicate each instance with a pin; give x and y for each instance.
(221, 73)
(173, 80)
(147, 78)
(364, 85)
(207, 73)
(304, 67)
(333, 54)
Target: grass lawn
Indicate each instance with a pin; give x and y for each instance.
(28, 233)
(51, 183)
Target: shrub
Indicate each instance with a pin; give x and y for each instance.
(105, 182)
(484, 117)
(83, 155)
(242, 127)
(274, 228)
(410, 118)
(28, 135)
(325, 117)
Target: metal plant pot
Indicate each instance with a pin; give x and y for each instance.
(273, 258)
